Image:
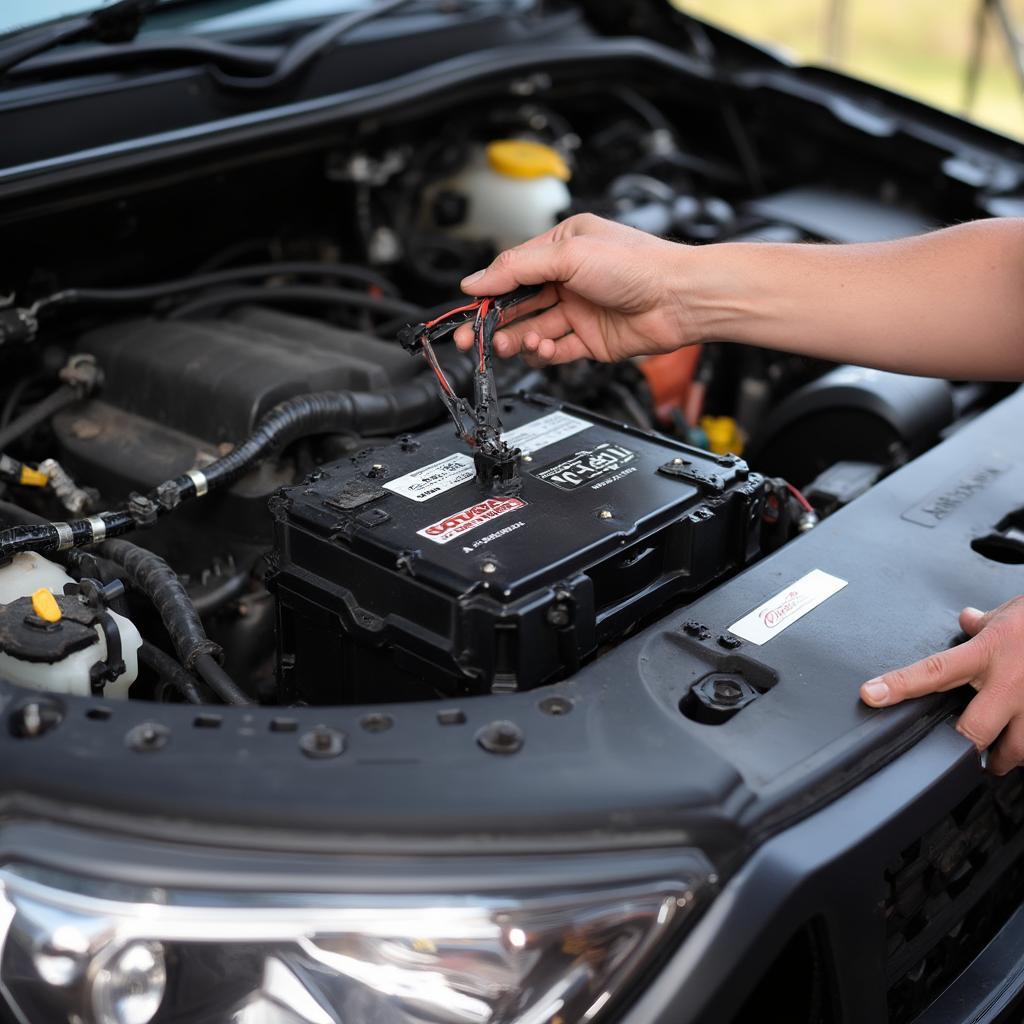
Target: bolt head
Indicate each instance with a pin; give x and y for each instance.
(605, 514)
(677, 462)
(322, 741)
(501, 738)
(488, 567)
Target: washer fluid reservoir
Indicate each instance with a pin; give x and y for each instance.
(513, 189)
(58, 642)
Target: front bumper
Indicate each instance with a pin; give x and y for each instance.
(831, 878)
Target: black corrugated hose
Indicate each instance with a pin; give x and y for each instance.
(151, 575)
(383, 412)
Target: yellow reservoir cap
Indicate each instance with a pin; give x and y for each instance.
(44, 604)
(521, 158)
(723, 433)
(30, 477)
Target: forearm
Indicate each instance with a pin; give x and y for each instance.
(948, 304)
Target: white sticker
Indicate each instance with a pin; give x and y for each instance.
(470, 518)
(556, 426)
(782, 610)
(430, 481)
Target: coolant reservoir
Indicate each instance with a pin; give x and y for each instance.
(513, 189)
(46, 649)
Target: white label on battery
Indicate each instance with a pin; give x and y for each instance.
(556, 426)
(430, 481)
(782, 610)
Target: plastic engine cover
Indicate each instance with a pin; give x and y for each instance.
(397, 576)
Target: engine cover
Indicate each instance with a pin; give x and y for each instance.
(396, 565)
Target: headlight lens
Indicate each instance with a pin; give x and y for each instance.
(77, 950)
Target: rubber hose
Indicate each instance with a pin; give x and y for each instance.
(151, 575)
(382, 412)
(219, 681)
(170, 671)
(265, 294)
(213, 278)
(36, 414)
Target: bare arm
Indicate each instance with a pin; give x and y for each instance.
(949, 304)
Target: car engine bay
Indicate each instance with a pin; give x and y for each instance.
(237, 333)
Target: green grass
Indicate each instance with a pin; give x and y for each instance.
(917, 47)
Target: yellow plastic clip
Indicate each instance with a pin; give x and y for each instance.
(44, 604)
(32, 477)
(724, 434)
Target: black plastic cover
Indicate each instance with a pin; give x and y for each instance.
(214, 379)
(397, 566)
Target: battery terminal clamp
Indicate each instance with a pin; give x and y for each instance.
(496, 464)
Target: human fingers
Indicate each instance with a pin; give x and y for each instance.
(974, 620)
(552, 323)
(986, 716)
(537, 264)
(933, 674)
(1008, 751)
(539, 352)
(463, 336)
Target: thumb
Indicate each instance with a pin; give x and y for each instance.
(531, 264)
(973, 620)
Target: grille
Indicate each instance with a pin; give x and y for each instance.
(950, 891)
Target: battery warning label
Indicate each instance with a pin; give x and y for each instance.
(470, 518)
(430, 481)
(586, 466)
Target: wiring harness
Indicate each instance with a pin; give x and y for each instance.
(497, 465)
(390, 411)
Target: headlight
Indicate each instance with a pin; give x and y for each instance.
(79, 950)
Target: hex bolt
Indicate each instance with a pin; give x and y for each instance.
(147, 737)
(727, 691)
(488, 567)
(501, 737)
(605, 513)
(677, 462)
(527, 458)
(377, 721)
(730, 643)
(322, 741)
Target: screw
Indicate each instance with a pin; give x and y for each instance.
(605, 514)
(730, 643)
(555, 706)
(677, 462)
(321, 741)
(148, 736)
(377, 721)
(558, 615)
(489, 567)
(527, 458)
(36, 718)
(501, 738)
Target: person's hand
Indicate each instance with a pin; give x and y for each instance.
(612, 292)
(993, 663)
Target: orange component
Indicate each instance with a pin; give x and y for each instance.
(670, 377)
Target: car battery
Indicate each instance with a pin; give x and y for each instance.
(398, 576)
